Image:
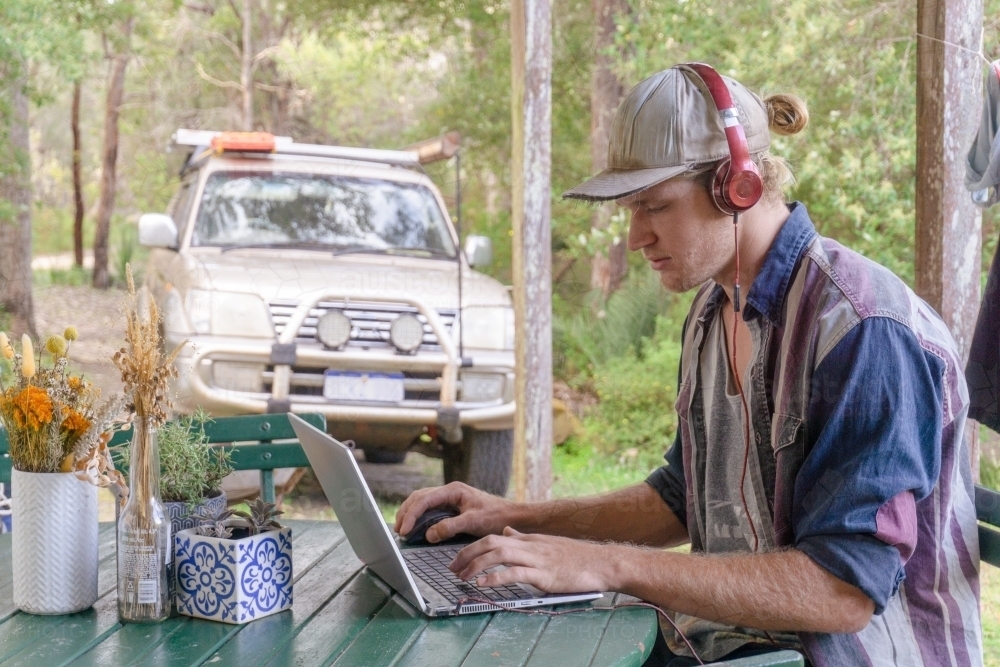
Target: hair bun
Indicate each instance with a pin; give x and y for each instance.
(786, 114)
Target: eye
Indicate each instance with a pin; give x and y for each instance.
(658, 208)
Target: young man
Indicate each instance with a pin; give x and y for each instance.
(819, 470)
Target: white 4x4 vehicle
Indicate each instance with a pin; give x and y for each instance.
(326, 279)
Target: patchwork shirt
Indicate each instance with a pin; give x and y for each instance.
(858, 458)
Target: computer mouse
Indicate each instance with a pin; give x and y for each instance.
(418, 534)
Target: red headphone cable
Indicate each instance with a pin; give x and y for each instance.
(739, 384)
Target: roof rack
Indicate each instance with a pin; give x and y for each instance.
(262, 142)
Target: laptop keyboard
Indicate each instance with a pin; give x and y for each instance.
(432, 567)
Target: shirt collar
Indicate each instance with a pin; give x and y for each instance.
(767, 294)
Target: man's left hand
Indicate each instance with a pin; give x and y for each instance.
(552, 564)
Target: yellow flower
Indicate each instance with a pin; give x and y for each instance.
(56, 345)
(75, 382)
(5, 347)
(75, 423)
(68, 463)
(32, 408)
(27, 357)
(71, 333)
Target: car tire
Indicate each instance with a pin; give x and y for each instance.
(384, 456)
(482, 460)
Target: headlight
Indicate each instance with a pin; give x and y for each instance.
(229, 314)
(406, 333)
(488, 327)
(236, 376)
(334, 329)
(481, 387)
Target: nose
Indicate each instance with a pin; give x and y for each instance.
(640, 232)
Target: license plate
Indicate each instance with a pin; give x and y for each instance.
(355, 386)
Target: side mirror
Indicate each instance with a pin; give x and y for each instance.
(479, 250)
(157, 230)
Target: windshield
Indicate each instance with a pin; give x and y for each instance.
(241, 209)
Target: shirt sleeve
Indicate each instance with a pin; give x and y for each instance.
(874, 434)
(669, 482)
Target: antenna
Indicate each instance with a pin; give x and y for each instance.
(458, 228)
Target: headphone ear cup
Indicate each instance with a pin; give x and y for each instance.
(719, 184)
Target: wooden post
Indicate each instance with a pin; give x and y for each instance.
(949, 225)
(531, 109)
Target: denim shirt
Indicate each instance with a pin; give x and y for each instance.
(858, 406)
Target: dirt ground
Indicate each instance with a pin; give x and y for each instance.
(97, 315)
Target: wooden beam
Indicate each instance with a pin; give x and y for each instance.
(531, 109)
(949, 225)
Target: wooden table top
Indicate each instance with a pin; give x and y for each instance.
(342, 615)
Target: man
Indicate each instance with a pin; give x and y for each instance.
(819, 470)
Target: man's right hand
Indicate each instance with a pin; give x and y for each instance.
(480, 513)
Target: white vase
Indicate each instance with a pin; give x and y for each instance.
(54, 542)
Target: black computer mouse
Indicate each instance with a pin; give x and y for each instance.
(418, 534)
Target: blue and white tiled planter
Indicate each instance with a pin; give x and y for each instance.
(233, 581)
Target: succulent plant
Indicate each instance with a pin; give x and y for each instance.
(261, 517)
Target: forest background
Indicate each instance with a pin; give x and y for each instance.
(386, 74)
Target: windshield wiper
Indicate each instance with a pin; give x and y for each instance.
(295, 245)
(391, 250)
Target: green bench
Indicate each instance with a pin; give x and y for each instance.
(255, 447)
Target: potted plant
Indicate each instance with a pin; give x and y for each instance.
(191, 471)
(58, 431)
(235, 567)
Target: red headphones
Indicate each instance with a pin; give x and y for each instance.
(736, 184)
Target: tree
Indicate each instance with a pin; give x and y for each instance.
(15, 208)
(109, 161)
(610, 264)
(77, 178)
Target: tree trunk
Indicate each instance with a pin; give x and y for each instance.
(246, 65)
(106, 204)
(609, 266)
(77, 181)
(15, 214)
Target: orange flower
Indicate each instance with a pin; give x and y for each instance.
(75, 423)
(75, 383)
(32, 408)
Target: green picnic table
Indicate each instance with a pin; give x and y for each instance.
(342, 615)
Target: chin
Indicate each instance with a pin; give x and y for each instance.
(676, 284)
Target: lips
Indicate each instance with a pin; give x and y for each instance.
(659, 264)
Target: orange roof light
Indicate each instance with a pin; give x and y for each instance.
(245, 142)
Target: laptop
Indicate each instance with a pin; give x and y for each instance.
(420, 575)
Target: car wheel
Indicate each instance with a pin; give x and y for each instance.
(482, 460)
(384, 456)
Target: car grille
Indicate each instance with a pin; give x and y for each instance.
(370, 322)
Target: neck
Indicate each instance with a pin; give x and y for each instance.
(758, 227)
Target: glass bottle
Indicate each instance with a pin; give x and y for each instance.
(144, 540)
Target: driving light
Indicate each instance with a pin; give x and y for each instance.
(334, 329)
(481, 387)
(235, 376)
(406, 333)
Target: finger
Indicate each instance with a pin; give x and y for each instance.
(424, 500)
(505, 555)
(512, 575)
(472, 523)
(475, 550)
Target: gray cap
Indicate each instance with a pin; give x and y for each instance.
(664, 126)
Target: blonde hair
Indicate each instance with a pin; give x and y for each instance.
(786, 115)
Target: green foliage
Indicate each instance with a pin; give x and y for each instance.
(190, 469)
(74, 276)
(606, 331)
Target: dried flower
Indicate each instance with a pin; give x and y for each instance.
(71, 333)
(27, 357)
(32, 408)
(56, 346)
(145, 370)
(6, 349)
